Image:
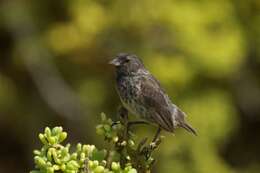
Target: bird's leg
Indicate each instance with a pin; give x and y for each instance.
(156, 135)
(123, 114)
(147, 150)
(141, 146)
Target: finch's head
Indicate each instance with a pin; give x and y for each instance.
(127, 63)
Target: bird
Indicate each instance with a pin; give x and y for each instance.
(142, 95)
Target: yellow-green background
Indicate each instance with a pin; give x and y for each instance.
(206, 53)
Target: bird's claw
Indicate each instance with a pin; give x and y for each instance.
(147, 150)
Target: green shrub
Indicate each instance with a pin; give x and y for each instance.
(125, 156)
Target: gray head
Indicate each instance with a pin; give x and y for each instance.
(127, 63)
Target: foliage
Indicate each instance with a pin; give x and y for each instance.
(123, 157)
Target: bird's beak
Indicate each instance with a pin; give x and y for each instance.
(114, 62)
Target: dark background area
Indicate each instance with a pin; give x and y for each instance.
(54, 71)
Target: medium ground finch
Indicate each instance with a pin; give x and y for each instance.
(142, 95)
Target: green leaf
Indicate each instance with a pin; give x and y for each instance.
(99, 155)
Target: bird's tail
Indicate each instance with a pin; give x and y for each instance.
(187, 127)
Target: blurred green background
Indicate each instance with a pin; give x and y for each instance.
(54, 71)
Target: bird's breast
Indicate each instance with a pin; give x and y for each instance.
(129, 90)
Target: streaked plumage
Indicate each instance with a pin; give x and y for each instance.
(143, 95)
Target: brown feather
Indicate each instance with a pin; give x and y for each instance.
(154, 100)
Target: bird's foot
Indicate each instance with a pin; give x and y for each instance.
(148, 149)
(155, 143)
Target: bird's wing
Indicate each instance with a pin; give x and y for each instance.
(156, 102)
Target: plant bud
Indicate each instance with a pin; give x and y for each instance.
(131, 143)
(63, 167)
(56, 130)
(79, 147)
(63, 136)
(115, 166)
(107, 127)
(39, 161)
(95, 163)
(74, 156)
(99, 169)
(47, 131)
(56, 167)
(90, 163)
(123, 143)
(43, 139)
(103, 116)
(82, 155)
(36, 152)
(115, 139)
(52, 140)
(49, 155)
